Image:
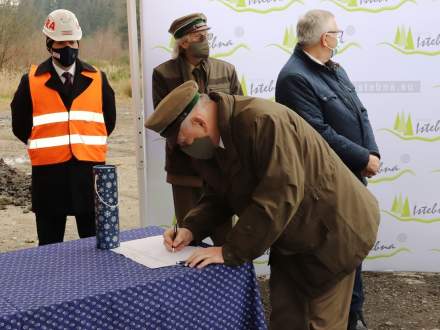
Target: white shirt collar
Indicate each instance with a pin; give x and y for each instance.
(220, 143)
(60, 71)
(313, 58)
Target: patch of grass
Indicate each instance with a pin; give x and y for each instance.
(118, 74)
(9, 80)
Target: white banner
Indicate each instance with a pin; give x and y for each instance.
(391, 52)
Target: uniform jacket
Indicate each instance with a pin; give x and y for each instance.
(65, 188)
(325, 97)
(220, 76)
(288, 187)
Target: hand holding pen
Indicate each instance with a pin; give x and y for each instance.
(174, 235)
(175, 239)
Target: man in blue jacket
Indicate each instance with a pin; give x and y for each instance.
(319, 90)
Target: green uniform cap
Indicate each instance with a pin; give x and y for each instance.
(173, 109)
(188, 24)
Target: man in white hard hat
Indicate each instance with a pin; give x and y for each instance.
(64, 110)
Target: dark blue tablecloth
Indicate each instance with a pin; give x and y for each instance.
(73, 285)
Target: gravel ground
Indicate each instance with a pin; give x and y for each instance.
(393, 301)
(14, 187)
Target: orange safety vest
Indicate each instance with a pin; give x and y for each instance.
(59, 133)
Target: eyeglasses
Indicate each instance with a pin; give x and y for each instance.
(338, 34)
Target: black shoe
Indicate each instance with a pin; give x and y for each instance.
(356, 321)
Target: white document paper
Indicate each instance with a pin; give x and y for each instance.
(151, 252)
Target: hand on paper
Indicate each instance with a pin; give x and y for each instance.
(183, 238)
(204, 256)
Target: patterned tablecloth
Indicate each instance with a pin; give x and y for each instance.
(73, 285)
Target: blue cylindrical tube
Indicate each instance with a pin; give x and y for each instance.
(106, 206)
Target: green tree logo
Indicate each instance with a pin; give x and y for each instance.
(404, 38)
(402, 125)
(260, 6)
(400, 206)
(403, 129)
(401, 211)
(289, 39)
(244, 88)
(404, 43)
(241, 3)
(243, 85)
(238, 3)
(373, 7)
(351, 3)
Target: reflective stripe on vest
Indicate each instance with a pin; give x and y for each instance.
(66, 139)
(64, 116)
(58, 134)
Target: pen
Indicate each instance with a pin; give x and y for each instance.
(181, 263)
(175, 234)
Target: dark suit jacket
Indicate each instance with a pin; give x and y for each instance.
(61, 188)
(325, 97)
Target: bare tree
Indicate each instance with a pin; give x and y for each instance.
(22, 43)
(16, 24)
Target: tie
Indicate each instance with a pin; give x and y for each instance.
(68, 79)
(198, 75)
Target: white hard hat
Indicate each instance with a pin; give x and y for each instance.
(62, 25)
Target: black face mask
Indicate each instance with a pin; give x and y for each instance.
(66, 55)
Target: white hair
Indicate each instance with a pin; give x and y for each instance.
(312, 25)
(204, 98)
(200, 105)
(176, 47)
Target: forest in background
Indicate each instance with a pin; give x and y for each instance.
(104, 42)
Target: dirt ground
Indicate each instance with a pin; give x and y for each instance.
(404, 301)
